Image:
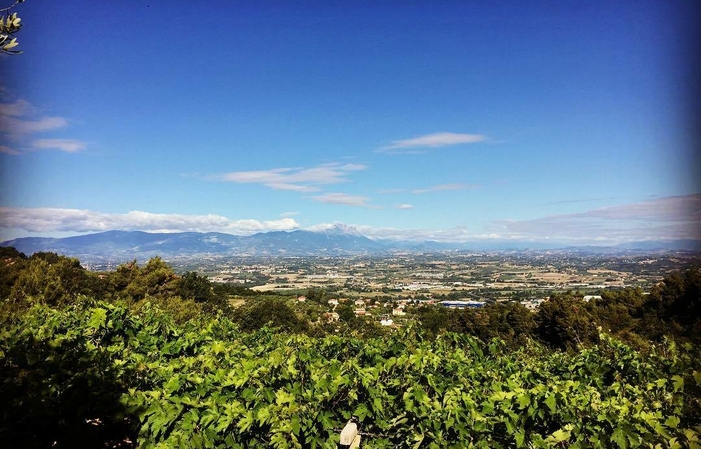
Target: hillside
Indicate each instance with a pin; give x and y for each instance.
(337, 241)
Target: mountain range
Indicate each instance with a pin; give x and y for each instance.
(337, 241)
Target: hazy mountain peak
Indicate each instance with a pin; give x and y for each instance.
(342, 229)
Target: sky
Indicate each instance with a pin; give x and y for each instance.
(569, 122)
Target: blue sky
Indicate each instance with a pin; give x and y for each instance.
(566, 121)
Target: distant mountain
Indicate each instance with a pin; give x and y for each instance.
(340, 240)
(663, 245)
(342, 229)
(136, 244)
(311, 243)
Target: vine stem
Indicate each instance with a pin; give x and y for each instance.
(17, 2)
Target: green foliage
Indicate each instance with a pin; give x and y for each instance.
(271, 312)
(12, 262)
(180, 310)
(193, 286)
(205, 383)
(60, 383)
(677, 303)
(510, 321)
(54, 279)
(564, 322)
(197, 288)
(161, 366)
(317, 295)
(156, 278)
(345, 312)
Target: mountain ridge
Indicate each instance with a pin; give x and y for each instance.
(335, 241)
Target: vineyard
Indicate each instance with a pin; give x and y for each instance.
(98, 374)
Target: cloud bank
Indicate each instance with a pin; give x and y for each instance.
(458, 234)
(660, 219)
(48, 220)
(677, 217)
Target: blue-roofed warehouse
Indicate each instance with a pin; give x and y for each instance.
(461, 304)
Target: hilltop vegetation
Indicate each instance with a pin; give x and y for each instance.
(143, 357)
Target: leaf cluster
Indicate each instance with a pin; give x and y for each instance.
(207, 383)
(9, 25)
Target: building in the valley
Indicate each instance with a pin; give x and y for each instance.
(461, 304)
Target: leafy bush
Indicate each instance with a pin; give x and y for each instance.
(98, 369)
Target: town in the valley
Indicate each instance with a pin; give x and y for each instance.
(387, 288)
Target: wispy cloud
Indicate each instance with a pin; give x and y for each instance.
(298, 179)
(7, 150)
(443, 187)
(583, 200)
(65, 145)
(19, 120)
(667, 218)
(16, 109)
(457, 234)
(431, 141)
(16, 126)
(345, 200)
(390, 191)
(404, 206)
(47, 220)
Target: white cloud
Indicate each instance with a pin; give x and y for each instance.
(443, 187)
(431, 141)
(345, 200)
(19, 120)
(668, 218)
(51, 220)
(659, 219)
(65, 145)
(457, 234)
(16, 109)
(404, 206)
(299, 179)
(15, 126)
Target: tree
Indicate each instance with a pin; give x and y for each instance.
(156, 278)
(564, 322)
(9, 26)
(674, 307)
(12, 262)
(317, 295)
(269, 312)
(54, 280)
(433, 319)
(193, 286)
(345, 312)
